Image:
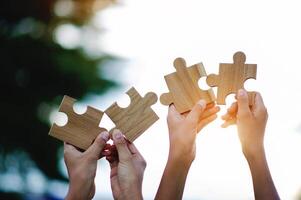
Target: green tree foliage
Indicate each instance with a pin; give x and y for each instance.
(35, 74)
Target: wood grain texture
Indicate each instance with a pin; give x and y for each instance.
(183, 86)
(231, 77)
(137, 117)
(80, 130)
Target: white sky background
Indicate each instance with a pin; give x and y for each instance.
(151, 34)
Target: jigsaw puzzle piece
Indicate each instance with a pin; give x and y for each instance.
(80, 130)
(183, 86)
(231, 78)
(137, 117)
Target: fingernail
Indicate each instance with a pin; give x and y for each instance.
(105, 135)
(241, 93)
(117, 135)
(202, 103)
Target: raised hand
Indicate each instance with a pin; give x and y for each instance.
(82, 167)
(183, 130)
(127, 169)
(251, 123)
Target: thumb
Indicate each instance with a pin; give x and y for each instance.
(197, 111)
(243, 103)
(99, 143)
(124, 153)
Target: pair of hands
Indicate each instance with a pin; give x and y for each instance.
(250, 121)
(127, 168)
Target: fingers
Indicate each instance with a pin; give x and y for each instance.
(113, 160)
(98, 145)
(196, 112)
(211, 111)
(114, 179)
(259, 107)
(69, 147)
(206, 121)
(233, 108)
(124, 153)
(208, 107)
(70, 151)
(243, 104)
(228, 123)
(173, 114)
(231, 112)
(106, 150)
(133, 149)
(137, 157)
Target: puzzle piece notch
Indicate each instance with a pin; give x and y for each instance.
(137, 117)
(80, 130)
(231, 77)
(184, 88)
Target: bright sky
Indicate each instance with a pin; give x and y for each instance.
(151, 34)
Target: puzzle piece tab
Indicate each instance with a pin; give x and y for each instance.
(137, 117)
(80, 130)
(232, 76)
(183, 86)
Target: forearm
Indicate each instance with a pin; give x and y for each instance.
(133, 194)
(173, 180)
(75, 196)
(264, 188)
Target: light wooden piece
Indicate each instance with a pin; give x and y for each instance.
(183, 86)
(80, 130)
(231, 77)
(137, 117)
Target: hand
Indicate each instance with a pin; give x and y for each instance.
(82, 167)
(184, 128)
(251, 122)
(182, 134)
(127, 169)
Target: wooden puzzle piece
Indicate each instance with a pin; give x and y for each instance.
(80, 130)
(232, 76)
(137, 117)
(183, 86)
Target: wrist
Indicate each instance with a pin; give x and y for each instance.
(184, 160)
(257, 151)
(130, 195)
(182, 155)
(132, 191)
(181, 163)
(75, 193)
(72, 196)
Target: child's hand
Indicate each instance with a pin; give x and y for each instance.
(183, 129)
(127, 169)
(82, 167)
(251, 122)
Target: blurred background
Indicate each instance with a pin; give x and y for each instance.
(95, 50)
